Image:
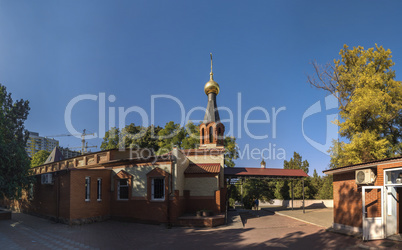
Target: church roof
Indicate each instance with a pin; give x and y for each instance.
(211, 113)
(54, 156)
(211, 88)
(210, 168)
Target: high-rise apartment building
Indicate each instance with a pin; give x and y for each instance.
(68, 153)
(36, 143)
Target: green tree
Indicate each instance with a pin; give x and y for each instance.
(111, 139)
(282, 190)
(14, 161)
(296, 162)
(262, 190)
(140, 137)
(370, 104)
(192, 136)
(315, 184)
(231, 151)
(131, 136)
(234, 194)
(326, 190)
(171, 135)
(162, 140)
(39, 158)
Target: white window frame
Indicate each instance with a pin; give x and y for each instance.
(99, 188)
(31, 191)
(153, 189)
(118, 189)
(87, 188)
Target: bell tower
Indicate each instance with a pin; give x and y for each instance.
(211, 130)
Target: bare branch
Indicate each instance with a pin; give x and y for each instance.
(325, 77)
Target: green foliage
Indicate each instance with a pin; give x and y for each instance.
(140, 137)
(315, 187)
(39, 158)
(262, 190)
(234, 194)
(315, 184)
(326, 190)
(231, 151)
(131, 137)
(171, 135)
(370, 104)
(111, 139)
(14, 161)
(192, 138)
(282, 190)
(162, 140)
(296, 162)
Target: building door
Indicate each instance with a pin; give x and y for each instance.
(398, 209)
(373, 224)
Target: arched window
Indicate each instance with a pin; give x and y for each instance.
(211, 135)
(202, 136)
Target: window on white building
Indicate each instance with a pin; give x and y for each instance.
(158, 189)
(30, 191)
(122, 189)
(99, 198)
(87, 188)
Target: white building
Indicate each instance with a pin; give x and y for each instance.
(68, 153)
(36, 143)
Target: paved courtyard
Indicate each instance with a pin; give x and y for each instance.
(255, 230)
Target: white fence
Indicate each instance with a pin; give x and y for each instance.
(299, 203)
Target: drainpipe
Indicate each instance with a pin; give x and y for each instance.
(292, 194)
(172, 187)
(57, 196)
(303, 197)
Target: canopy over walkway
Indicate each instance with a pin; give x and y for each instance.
(238, 175)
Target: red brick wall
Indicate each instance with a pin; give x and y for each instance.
(64, 201)
(45, 198)
(347, 200)
(177, 206)
(79, 208)
(44, 201)
(137, 209)
(72, 204)
(380, 172)
(215, 203)
(195, 203)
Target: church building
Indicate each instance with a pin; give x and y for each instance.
(134, 185)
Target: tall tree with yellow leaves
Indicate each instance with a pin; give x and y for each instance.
(370, 104)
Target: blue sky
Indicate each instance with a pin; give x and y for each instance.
(54, 51)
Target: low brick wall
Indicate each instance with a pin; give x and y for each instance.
(299, 203)
(5, 215)
(194, 221)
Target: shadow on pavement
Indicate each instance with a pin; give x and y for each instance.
(266, 231)
(250, 214)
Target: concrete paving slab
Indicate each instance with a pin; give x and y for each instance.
(259, 230)
(318, 216)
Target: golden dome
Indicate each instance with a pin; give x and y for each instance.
(211, 86)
